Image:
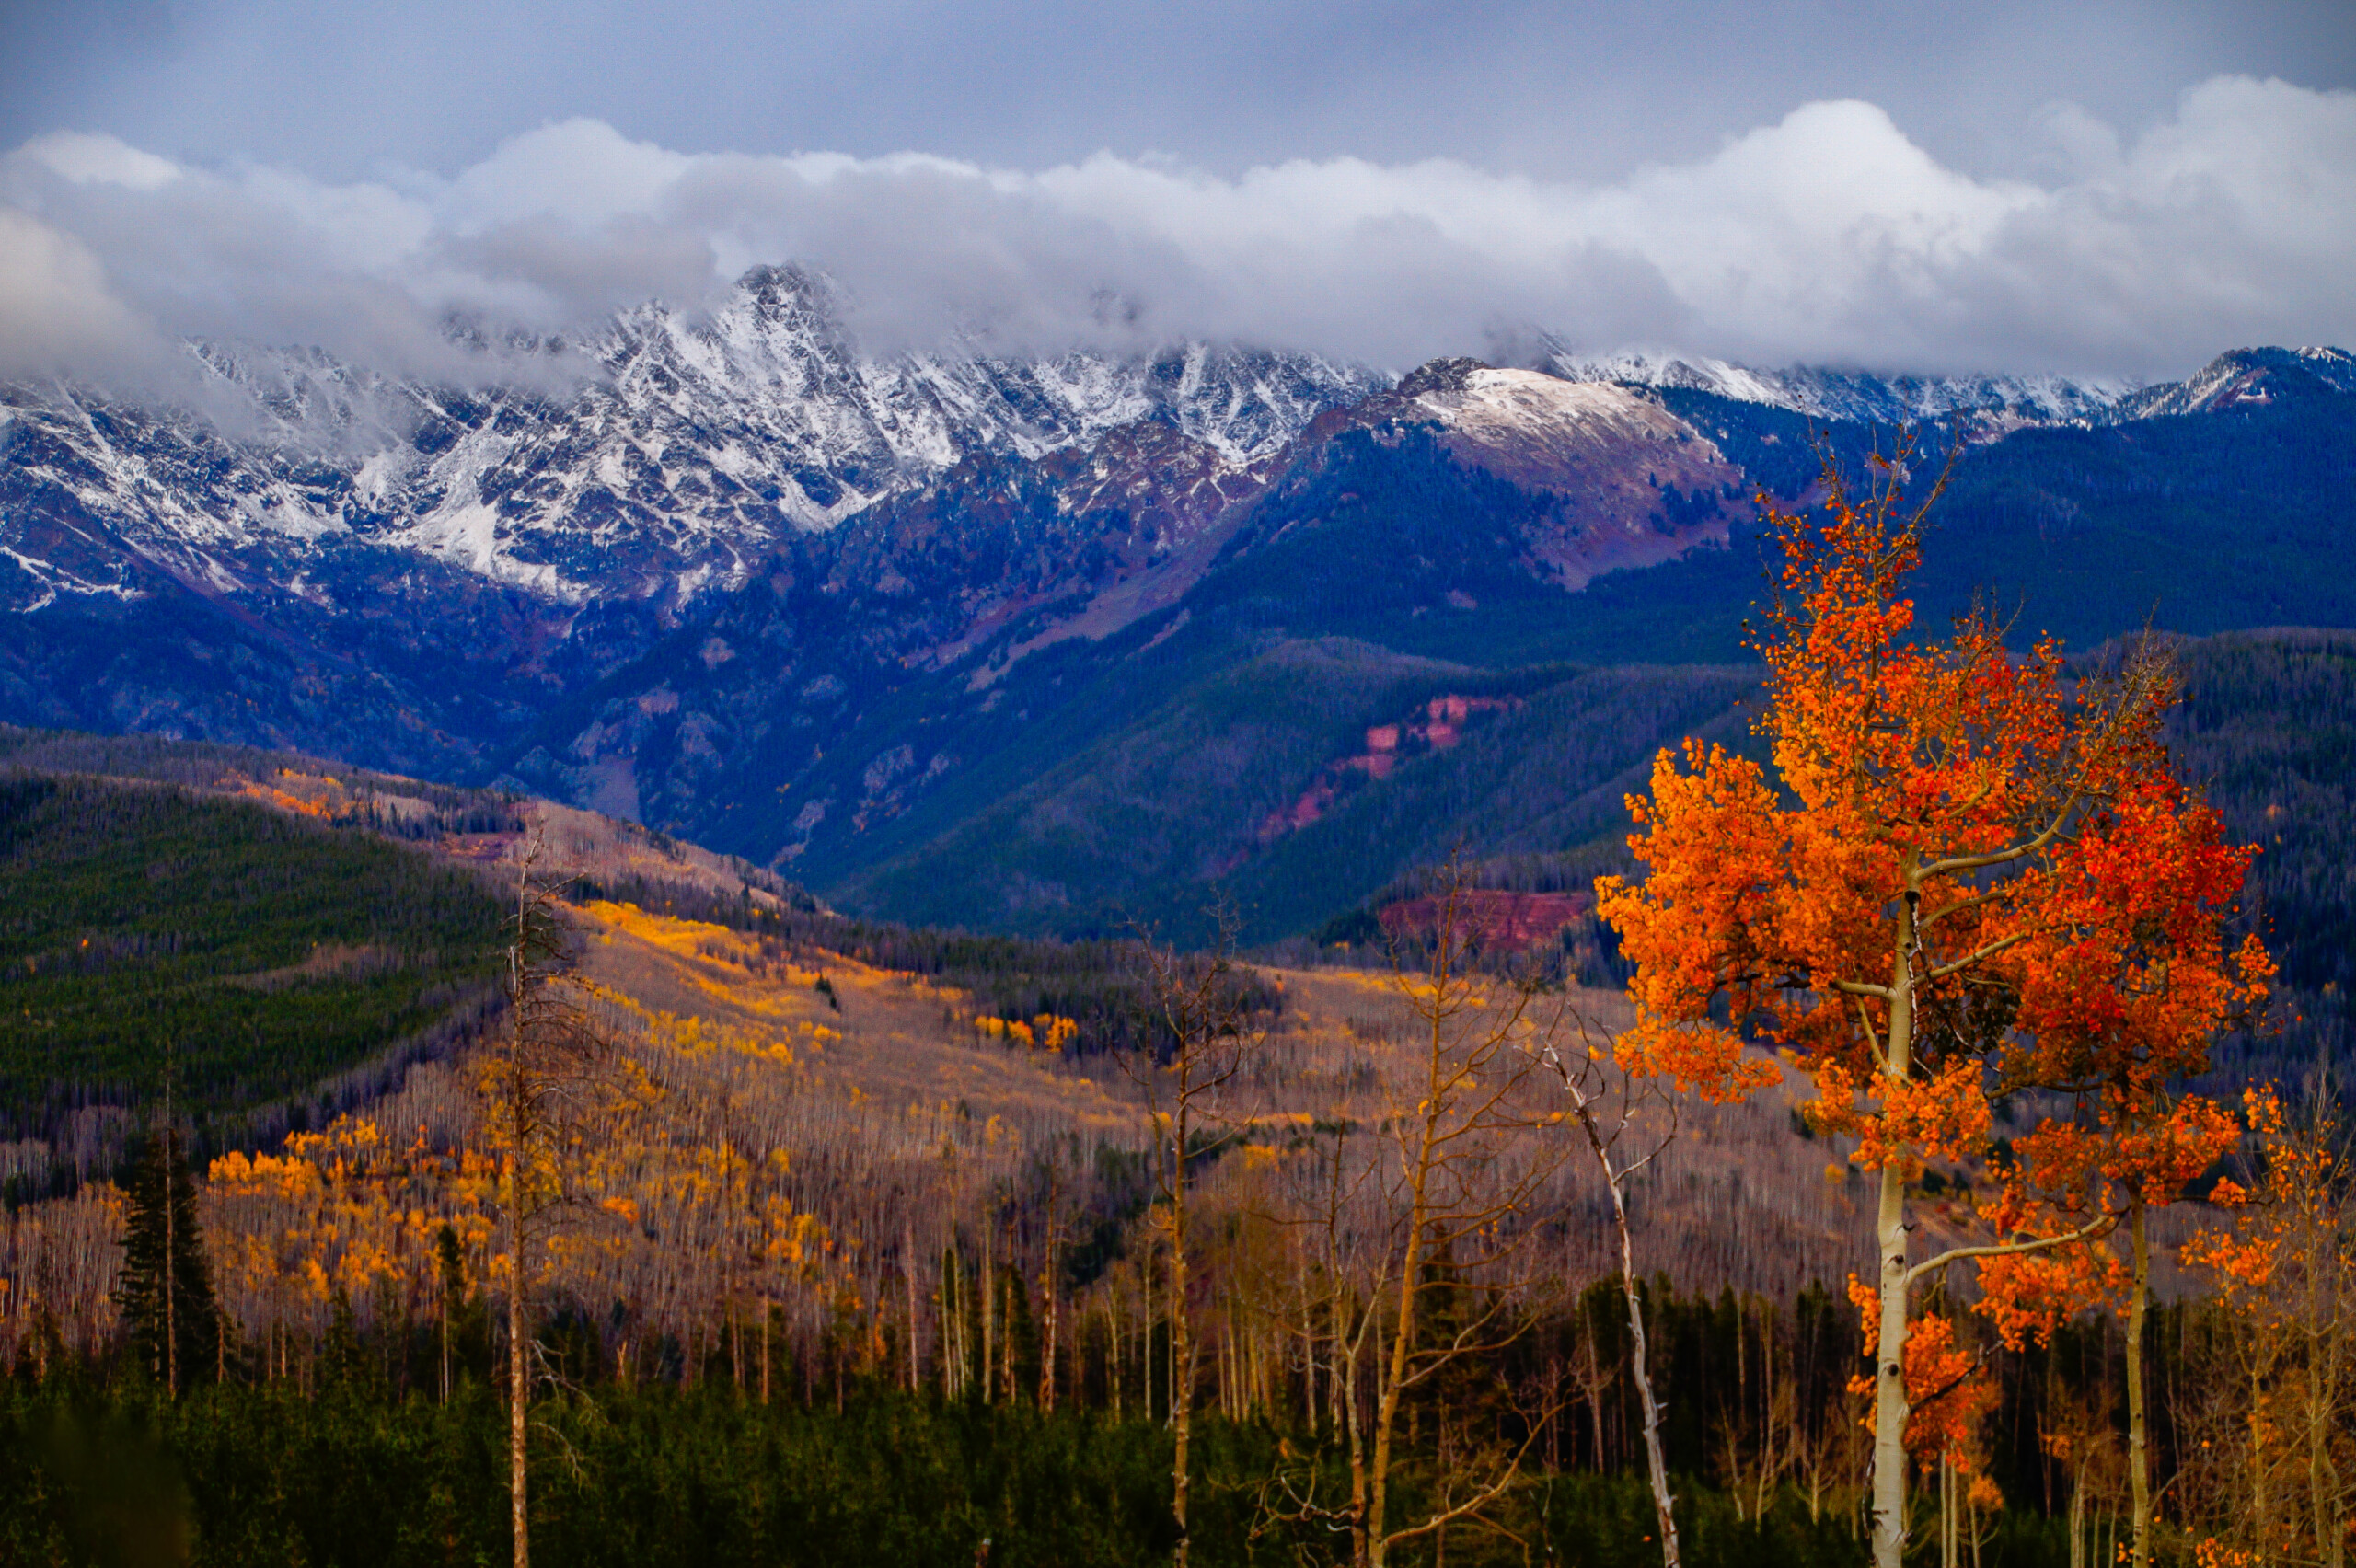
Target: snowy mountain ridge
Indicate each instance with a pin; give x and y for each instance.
(1853, 395)
(695, 450)
(667, 457)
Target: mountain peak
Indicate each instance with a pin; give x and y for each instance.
(1440, 376)
(2248, 377)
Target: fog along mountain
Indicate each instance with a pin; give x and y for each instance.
(1050, 645)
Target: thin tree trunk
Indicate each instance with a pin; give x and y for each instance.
(518, 1378)
(1181, 1352)
(2078, 1519)
(953, 1325)
(1640, 1365)
(171, 1263)
(2258, 1499)
(1048, 1357)
(1948, 1556)
(1402, 1341)
(2139, 1458)
(1639, 1358)
(1362, 1529)
(1308, 1352)
(1891, 1409)
(2323, 1476)
(908, 1275)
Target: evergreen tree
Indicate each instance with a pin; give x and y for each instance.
(164, 1291)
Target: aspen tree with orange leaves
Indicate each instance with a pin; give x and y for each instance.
(1913, 897)
(2282, 1474)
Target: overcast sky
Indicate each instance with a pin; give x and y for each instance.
(2089, 187)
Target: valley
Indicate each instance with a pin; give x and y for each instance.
(896, 742)
(929, 634)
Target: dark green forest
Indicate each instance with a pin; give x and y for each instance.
(364, 1459)
(258, 952)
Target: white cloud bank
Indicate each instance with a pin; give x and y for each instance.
(1827, 238)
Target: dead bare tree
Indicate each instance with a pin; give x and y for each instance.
(1205, 1003)
(1608, 1113)
(534, 1084)
(1426, 1226)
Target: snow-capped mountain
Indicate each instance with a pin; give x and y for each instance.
(1852, 395)
(668, 456)
(678, 453)
(540, 561)
(2245, 378)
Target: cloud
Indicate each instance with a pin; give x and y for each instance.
(1827, 237)
(57, 317)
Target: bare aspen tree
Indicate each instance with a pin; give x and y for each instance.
(1585, 1074)
(1436, 1280)
(1049, 1285)
(534, 1083)
(1204, 1002)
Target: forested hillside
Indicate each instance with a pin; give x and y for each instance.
(250, 952)
(841, 739)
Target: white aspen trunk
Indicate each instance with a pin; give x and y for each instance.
(1114, 1349)
(908, 1251)
(1010, 1282)
(1307, 1352)
(1639, 1357)
(1890, 1408)
(2078, 1519)
(1361, 1529)
(1639, 1366)
(1946, 1514)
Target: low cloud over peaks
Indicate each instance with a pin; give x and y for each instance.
(1828, 238)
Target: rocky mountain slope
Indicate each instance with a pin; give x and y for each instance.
(662, 458)
(837, 613)
(1826, 394)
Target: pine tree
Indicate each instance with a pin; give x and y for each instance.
(165, 1290)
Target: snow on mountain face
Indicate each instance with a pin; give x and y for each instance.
(1848, 395)
(2243, 379)
(699, 447)
(1621, 481)
(1545, 416)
